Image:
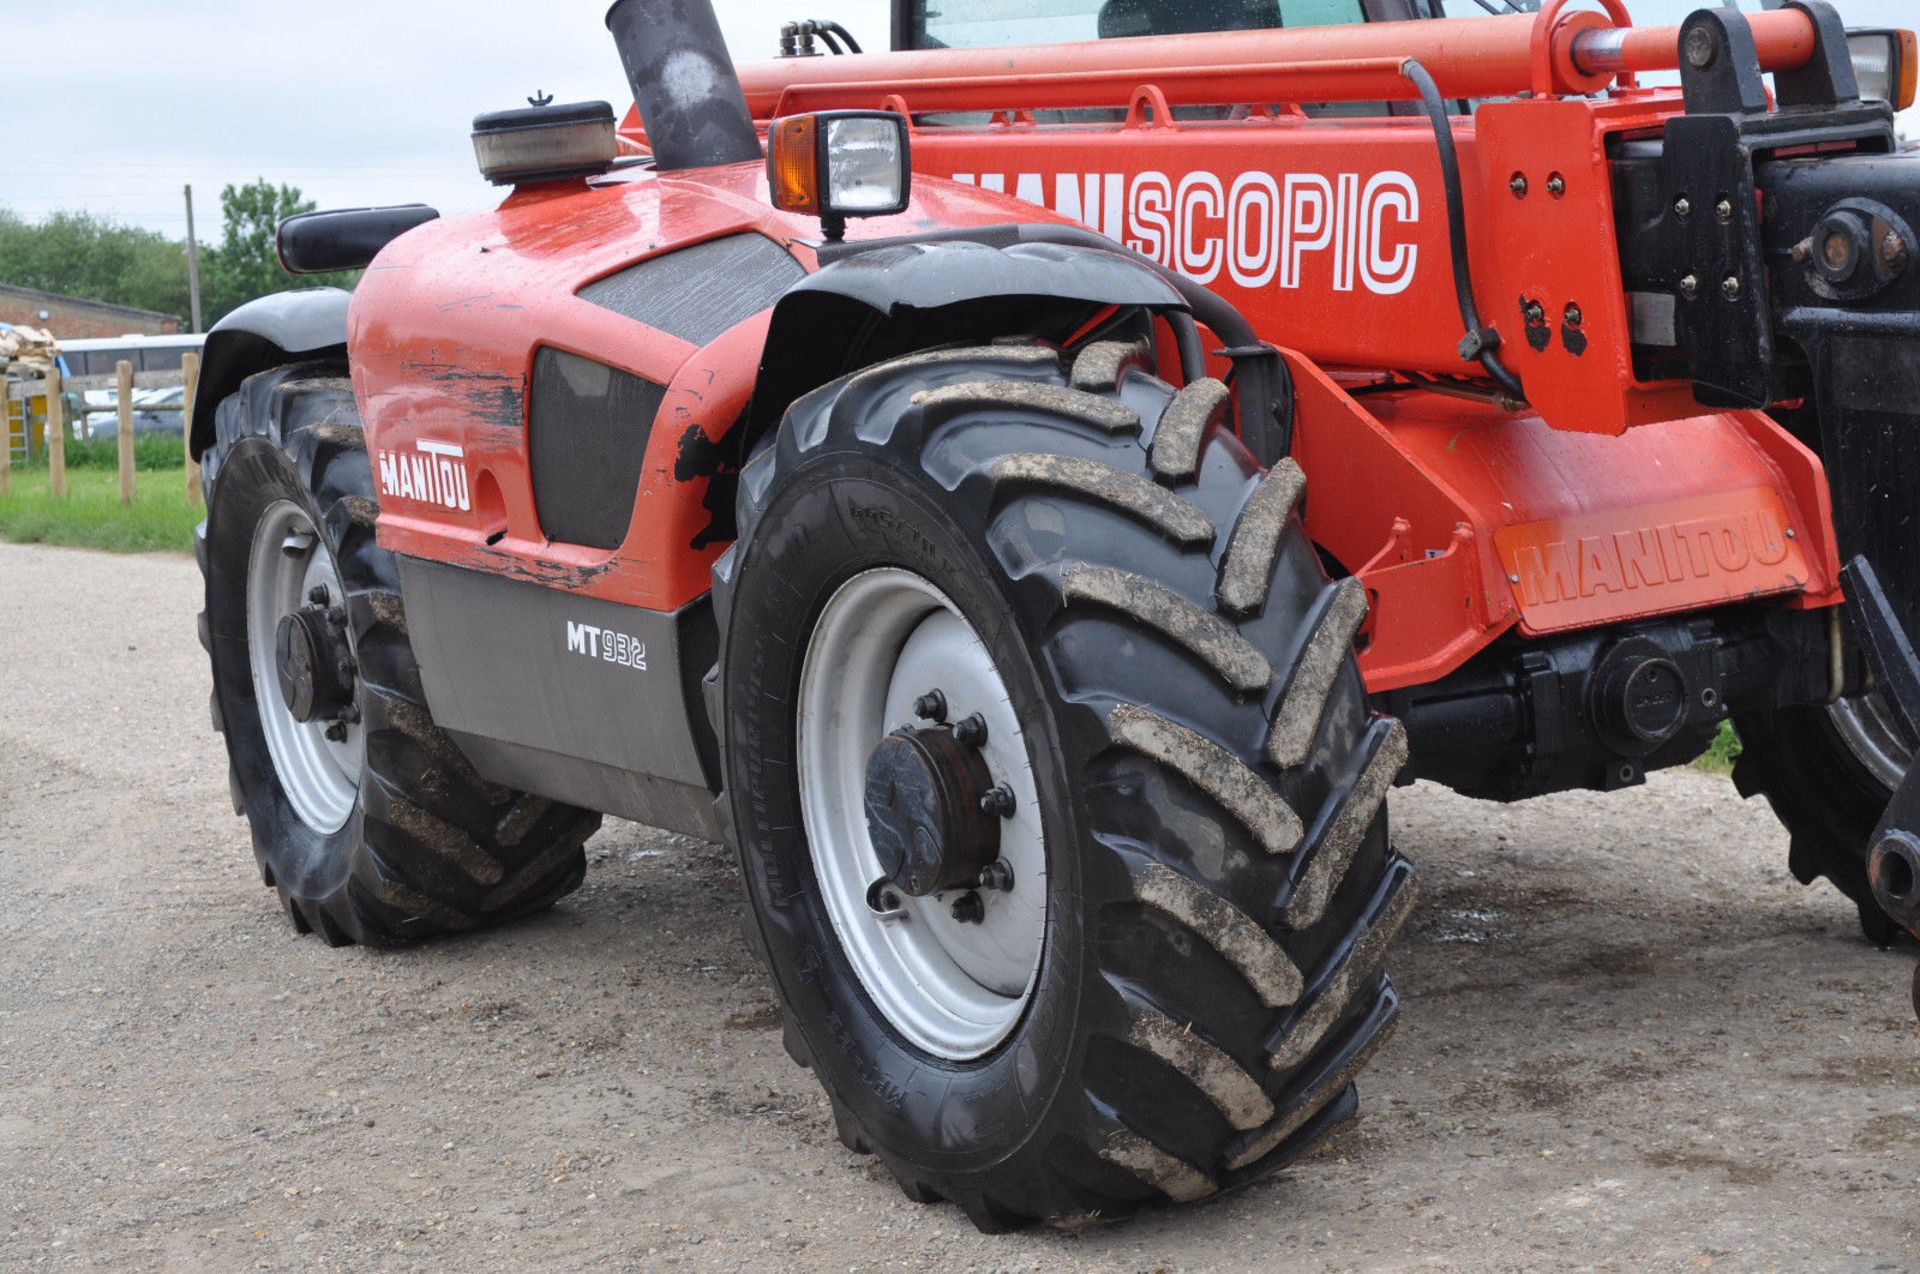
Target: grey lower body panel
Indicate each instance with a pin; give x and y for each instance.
(644, 798)
(573, 698)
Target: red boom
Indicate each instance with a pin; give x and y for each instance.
(1467, 57)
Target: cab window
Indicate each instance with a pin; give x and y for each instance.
(972, 24)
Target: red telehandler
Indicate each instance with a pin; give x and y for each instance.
(1041, 600)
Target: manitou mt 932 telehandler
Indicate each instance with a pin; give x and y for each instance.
(1042, 599)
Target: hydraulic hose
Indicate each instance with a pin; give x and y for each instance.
(1480, 343)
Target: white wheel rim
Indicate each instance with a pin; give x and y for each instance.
(320, 776)
(1866, 726)
(954, 989)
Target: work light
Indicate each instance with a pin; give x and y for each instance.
(838, 164)
(1884, 64)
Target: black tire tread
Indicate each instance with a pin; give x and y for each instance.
(1238, 661)
(1296, 721)
(1248, 570)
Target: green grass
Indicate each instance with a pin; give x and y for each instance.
(150, 451)
(1722, 752)
(91, 516)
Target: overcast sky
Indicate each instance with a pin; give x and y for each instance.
(114, 105)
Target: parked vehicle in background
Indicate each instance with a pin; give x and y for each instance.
(99, 356)
(156, 409)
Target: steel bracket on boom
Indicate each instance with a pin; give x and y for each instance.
(1693, 236)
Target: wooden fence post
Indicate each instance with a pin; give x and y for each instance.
(190, 378)
(123, 405)
(6, 433)
(56, 436)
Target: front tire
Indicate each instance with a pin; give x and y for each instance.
(1208, 786)
(366, 818)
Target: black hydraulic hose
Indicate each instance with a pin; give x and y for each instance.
(826, 36)
(828, 24)
(1479, 343)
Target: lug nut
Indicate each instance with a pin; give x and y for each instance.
(971, 731)
(997, 875)
(997, 799)
(318, 595)
(968, 909)
(1572, 316)
(1683, 206)
(883, 902)
(1535, 312)
(337, 731)
(1689, 287)
(1723, 210)
(931, 706)
(1518, 186)
(1556, 185)
(1730, 288)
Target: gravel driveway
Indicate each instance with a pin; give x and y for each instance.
(1630, 1039)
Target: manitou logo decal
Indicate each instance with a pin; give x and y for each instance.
(432, 473)
(1657, 556)
(1297, 230)
(609, 645)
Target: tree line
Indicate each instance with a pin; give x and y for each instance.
(82, 255)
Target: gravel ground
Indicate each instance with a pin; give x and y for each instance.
(1630, 1039)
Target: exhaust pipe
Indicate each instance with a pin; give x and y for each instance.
(683, 82)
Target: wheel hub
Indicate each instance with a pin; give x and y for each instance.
(928, 812)
(311, 663)
(922, 812)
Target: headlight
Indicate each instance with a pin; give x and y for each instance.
(839, 164)
(1884, 63)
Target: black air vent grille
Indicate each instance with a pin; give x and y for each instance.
(587, 436)
(699, 292)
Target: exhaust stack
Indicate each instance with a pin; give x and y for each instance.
(683, 82)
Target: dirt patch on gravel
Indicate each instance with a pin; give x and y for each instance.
(1630, 1039)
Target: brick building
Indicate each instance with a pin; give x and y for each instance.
(70, 318)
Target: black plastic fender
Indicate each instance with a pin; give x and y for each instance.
(283, 328)
(873, 304)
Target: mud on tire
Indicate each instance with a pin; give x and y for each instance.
(428, 846)
(1219, 886)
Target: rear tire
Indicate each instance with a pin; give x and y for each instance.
(1828, 795)
(385, 834)
(1218, 889)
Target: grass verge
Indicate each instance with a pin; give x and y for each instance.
(1721, 753)
(92, 517)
